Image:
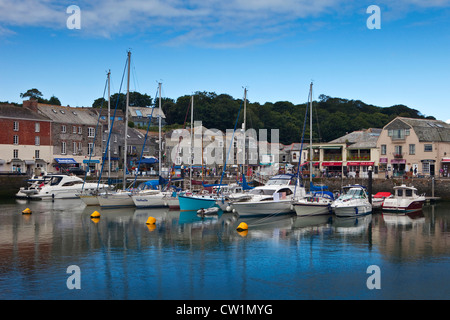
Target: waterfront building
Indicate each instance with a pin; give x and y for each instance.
(25, 140)
(73, 136)
(415, 147)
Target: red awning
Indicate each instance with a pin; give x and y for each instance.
(331, 164)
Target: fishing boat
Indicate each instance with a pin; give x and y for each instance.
(353, 202)
(63, 187)
(405, 199)
(275, 197)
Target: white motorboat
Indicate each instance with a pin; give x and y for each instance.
(314, 204)
(378, 199)
(354, 202)
(273, 198)
(33, 186)
(63, 187)
(405, 199)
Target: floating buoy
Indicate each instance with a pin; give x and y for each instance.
(151, 227)
(242, 226)
(95, 214)
(243, 233)
(26, 211)
(151, 220)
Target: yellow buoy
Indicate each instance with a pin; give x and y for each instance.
(26, 211)
(151, 220)
(95, 214)
(242, 226)
(151, 227)
(243, 233)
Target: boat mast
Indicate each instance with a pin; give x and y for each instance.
(109, 121)
(159, 126)
(244, 128)
(310, 136)
(192, 142)
(126, 125)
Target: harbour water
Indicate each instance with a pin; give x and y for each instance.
(185, 257)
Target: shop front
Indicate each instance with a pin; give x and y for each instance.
(357, 169)
(332, 168)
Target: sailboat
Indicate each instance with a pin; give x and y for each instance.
(318, 200)
(120, 198)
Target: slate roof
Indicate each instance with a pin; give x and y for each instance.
(360, 139)
(426, 130)
(62, 114)
(11, 111)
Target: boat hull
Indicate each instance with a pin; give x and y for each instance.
(352, 210)
(261, 208)
(398, 206)
(116, 200)
(307, 209)
(89, 199)
(194, 203)
(149, 200)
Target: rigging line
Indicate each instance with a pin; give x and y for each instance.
(301, 150)
(95, 136)
(112, 124)
(231, 143)
(143, 146)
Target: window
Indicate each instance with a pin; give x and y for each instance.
(428, 148)
(412, 149)
(91, 132)
(383, 149)
(74, 147)
(80, 130)
(115, 138)
(74, 129)
(80, 147)
(398, 150)
(16, 125)
(16, 139)
(37, 127)
(63, 147)
(15, 153)
(37, 141)
(91, 150)
(63, 128)
(426, 168)
(37, 154)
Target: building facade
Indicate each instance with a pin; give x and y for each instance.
(25, 140)
(418, 147)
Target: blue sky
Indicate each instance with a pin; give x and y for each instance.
(273, 47)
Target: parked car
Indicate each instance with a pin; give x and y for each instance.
(76, 171)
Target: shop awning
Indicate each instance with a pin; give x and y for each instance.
(29, 162)
(331, 164)
(443, 160)
(65, 161)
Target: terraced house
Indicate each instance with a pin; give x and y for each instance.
(73, 136)
(418, 147)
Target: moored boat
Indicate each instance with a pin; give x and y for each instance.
(354, 202)
(405, 199)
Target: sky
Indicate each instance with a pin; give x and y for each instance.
(274, 48)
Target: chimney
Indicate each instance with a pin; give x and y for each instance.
(31, 104)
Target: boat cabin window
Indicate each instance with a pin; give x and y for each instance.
(356, 193)
(55, 181)
(278, 182)
(285, 190)
(399, 192)
(408, 192)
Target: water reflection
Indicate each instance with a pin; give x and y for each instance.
(61, 233)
